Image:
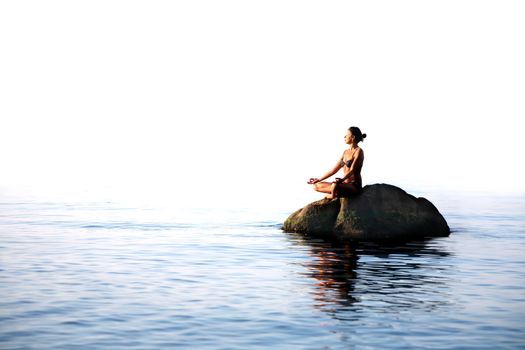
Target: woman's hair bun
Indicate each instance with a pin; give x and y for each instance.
(357, 133)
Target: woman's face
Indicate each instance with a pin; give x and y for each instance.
(349, 138)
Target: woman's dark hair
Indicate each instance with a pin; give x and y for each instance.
(359, 136)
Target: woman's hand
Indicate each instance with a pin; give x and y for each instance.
(313, 180)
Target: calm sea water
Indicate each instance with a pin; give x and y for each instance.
(85, 275)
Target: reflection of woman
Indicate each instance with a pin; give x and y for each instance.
(352, 162)
(334, 269)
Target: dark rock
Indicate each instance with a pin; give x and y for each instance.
(380, 212)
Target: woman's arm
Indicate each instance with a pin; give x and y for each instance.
(331, 172)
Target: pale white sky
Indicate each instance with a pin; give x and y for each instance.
(238, 100)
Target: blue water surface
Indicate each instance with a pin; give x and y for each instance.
(103, 275)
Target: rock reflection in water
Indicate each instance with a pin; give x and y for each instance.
(382, 278)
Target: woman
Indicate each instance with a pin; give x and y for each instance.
(352, 162)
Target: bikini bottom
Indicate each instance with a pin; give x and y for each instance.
(347, 191)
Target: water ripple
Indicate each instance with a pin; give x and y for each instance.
(97, 277)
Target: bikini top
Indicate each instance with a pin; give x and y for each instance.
(348, 163)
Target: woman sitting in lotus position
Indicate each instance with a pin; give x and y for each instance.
(352, 162)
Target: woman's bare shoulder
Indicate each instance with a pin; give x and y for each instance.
(359, 153)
